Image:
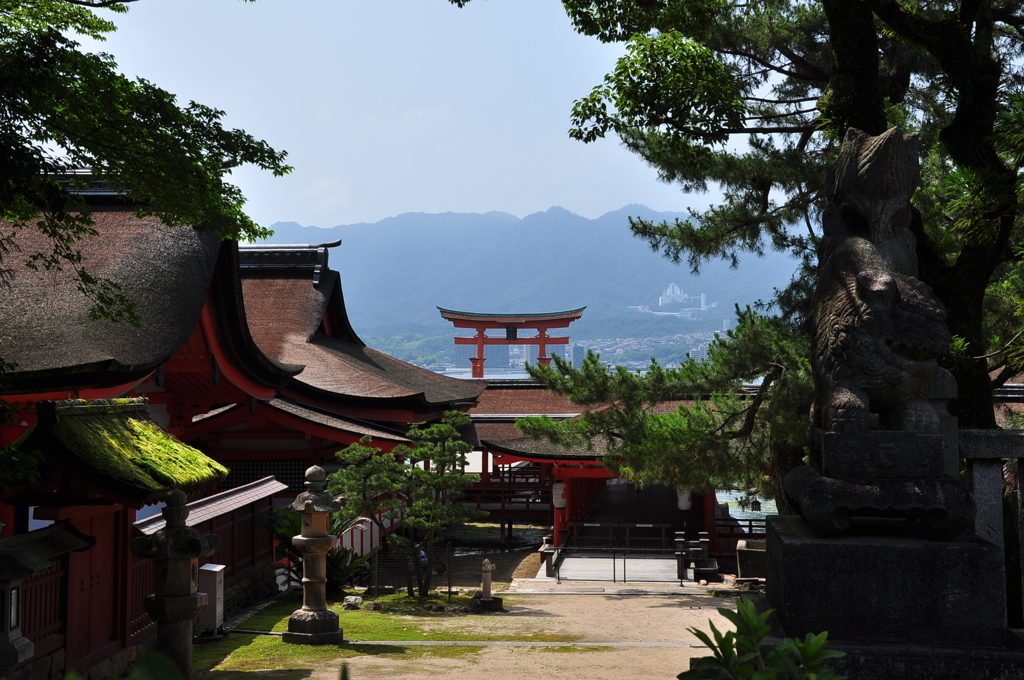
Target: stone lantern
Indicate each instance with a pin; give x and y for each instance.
(314, 624)
(175, 604)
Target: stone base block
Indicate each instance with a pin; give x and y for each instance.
(495, 604)
(943, 505)
(886, 584)
(911, 662)
(16, 651)
(313, 628)
(751, 559)
(330, 638)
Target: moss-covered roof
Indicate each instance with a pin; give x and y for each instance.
(116, 441)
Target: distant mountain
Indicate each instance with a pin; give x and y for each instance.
(397, 271)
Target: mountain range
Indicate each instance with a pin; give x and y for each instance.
(396, 272)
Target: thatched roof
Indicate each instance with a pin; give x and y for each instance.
(47, 330)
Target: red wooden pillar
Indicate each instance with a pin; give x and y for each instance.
(542, 348)
(479, 359)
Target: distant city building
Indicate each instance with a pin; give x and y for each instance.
(700, 352)
(496, 355)
(672, 294)
(560, 350)
(579, 352)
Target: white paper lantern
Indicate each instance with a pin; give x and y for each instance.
(558, 498)
(684, 498)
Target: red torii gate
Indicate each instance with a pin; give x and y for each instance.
(511, 323)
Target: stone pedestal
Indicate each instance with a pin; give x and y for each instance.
(880, 474)
(902, 606)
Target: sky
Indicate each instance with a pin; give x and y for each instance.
(394, 106)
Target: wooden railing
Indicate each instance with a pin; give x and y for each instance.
(729, 531)
(527, 497)
(143, 571)
(525, 477)
(42, 612)
(621, 537)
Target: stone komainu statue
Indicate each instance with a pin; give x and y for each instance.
(877, 330)
(880, 442)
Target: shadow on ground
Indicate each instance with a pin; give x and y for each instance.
(291, 674)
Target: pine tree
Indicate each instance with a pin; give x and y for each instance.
(755, 97)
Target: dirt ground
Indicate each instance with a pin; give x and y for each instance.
(661, 617)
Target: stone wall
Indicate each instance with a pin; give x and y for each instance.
(51, 666)
(119, 664)
(48, 667)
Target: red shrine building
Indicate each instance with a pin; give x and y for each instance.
(517, 470)
(245, 366)
(511, 324)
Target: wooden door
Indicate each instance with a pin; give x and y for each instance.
(92, 597)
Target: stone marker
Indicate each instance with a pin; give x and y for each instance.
(487, 601)
(486, 586)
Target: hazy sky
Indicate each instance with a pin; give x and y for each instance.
(393, 106)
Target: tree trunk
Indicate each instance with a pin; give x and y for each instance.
(854, 94)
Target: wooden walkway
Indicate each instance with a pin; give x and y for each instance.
(618, 568)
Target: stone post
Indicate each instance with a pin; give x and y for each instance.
(487, 569)
(175, 604)
(488, 603)
(314, 623)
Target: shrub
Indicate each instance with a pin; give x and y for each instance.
(739, 654)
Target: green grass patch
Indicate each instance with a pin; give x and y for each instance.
(248, 653)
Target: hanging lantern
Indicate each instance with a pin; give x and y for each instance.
(755, 505)
(684, 498)
(558, 498)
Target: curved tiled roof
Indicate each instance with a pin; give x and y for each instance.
(336, 422)
(289, 290)
(47, 330)
(541, 449)
(522, 398)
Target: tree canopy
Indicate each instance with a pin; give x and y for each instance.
(418, 486)
(68, 117)
(755, 97)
